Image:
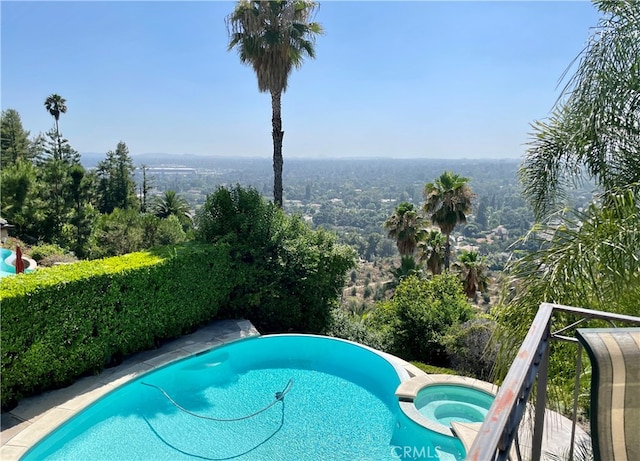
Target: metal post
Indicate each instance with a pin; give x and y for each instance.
(576, 393)
(541, 398)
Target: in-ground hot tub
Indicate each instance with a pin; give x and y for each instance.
(438, 401)
(447, 403)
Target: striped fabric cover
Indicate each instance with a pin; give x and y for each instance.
(615, 391)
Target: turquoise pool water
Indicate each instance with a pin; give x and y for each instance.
(6, 269)
(339, 404)
(447, 403)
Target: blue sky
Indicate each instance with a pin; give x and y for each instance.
(391, 79)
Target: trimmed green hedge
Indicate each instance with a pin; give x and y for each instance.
(67, 321)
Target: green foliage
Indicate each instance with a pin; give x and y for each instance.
(404, 227)
(347, 326)
(127, 231)
(172, 204)
(44, 250)
(289, 276)
(419, 314)
(14, 140)
(18, 196)
(169, 232)
(470, 349)
(63, 322)
(116, 187)
(593, 130)
(447, 201)
(472, 271)
(432, 370)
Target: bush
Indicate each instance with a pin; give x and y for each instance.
(470, 348)
(346, 326)
(289, 277)
(45, 250)
(419, 314)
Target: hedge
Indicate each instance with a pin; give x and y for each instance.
(64, 322)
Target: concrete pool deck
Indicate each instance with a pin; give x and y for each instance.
(36, 416)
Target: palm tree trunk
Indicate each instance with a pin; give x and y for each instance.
(447, 253)
(278, 135)
(59, 155)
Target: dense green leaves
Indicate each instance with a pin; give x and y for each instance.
(447, 203)
(14, 140)
(289, 276)
(404, 226)
(63, 322)
(115, 184)
(420, 313)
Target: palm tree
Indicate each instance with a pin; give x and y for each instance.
(431, 244)
(56, 105)
(588, 258)
(447, 202)
(403, 226)
(472, 272)
(274, 37)
(595, 126)
(171, 203)
(591, 256)
(408, 267)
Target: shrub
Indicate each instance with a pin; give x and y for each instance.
(419, 314)
(45, 250)
(470, 349)
(346, 326)
(289, 277)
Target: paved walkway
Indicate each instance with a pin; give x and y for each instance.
(36, 416)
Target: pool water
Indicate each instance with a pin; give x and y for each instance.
(447, 403)
(339, 404)
(6, 269)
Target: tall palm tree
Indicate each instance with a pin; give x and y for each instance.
(447, 203)
(431, 244)
(403, 226)
(274, 37)
(56, 105)
(472, 272)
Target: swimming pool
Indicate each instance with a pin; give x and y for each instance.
(281, 397)
(6, 269)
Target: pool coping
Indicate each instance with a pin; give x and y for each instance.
(35, 417)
